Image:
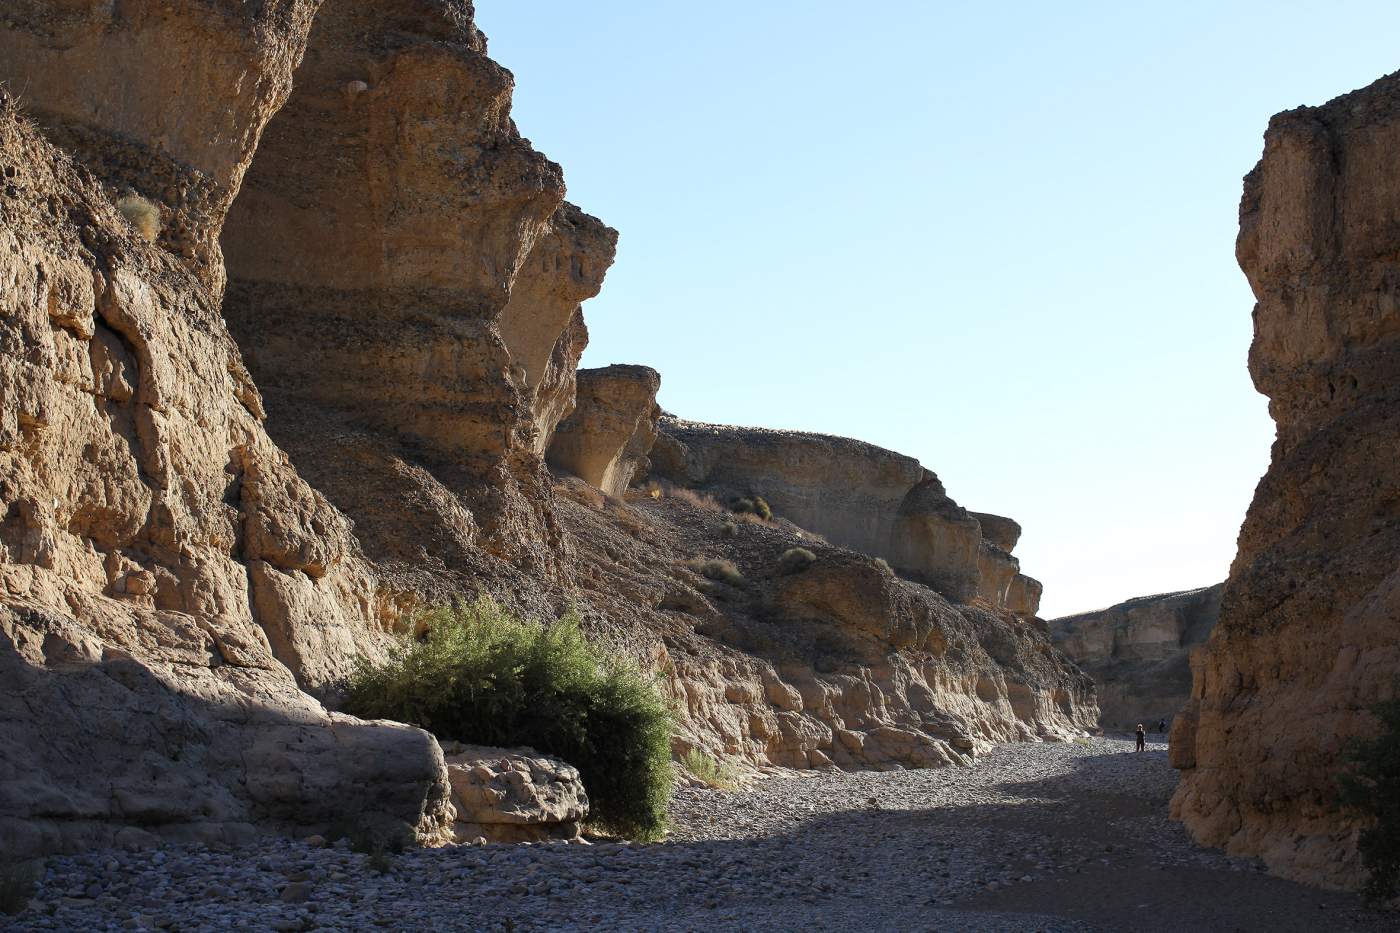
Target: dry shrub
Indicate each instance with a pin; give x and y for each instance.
(19, 881)
(795, 560)
(761, 508)
(717, 569)
(699, 500)
(582, 493)
(713, 772)
(141, 214)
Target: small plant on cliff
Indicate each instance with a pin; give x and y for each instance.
(762, 509)
(717, 569)
(795, 560)
(141, 214)
(18, 881)
(728, 530)
(482, 676)
(1371, 790)
(742, 506)
(713, 773)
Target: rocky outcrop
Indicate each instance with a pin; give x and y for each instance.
(542, 324)
(403, 278)
(606, 440)
(1138, 652)
(840, 663)
(1307, 638)
(167, 580)
(513, 795)
(858, 495)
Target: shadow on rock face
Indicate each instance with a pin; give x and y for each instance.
(110, 745)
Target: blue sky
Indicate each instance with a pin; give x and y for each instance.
(999, 238)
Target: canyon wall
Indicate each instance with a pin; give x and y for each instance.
(1307, 637)
(858, 495)
(1138, 652)
(291, 319)
(168, 582)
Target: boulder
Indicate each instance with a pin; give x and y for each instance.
(513, 795)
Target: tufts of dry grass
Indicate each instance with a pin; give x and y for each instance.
(714, 773)
(795, 560)
(717, 569)
(141, 214)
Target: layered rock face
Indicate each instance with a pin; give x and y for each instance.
(606, 440)
(1307, 637)
(190, 562)
(166, 101)
(171, 585)
(405, 284)
(1138, 652)
(167, 580)
(858, 495)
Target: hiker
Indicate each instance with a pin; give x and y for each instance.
(1142, 738)
(1162, 726)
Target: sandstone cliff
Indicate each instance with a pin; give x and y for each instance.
(1307, 637)
(224, 481)
(1138, 652)
(861, 496)
(167, 580)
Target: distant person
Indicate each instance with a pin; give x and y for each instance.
(1142, 738)
(1162, 726)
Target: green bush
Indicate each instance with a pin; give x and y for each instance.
(728, 530)
(481, 676)
(796, 560)
(714, 773)
(742, 506)
(1371, 789)
(761, 508)
(717, 569)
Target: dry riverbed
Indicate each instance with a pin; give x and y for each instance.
(1033, 837)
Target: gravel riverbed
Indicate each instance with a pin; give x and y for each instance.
(1032, 837)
